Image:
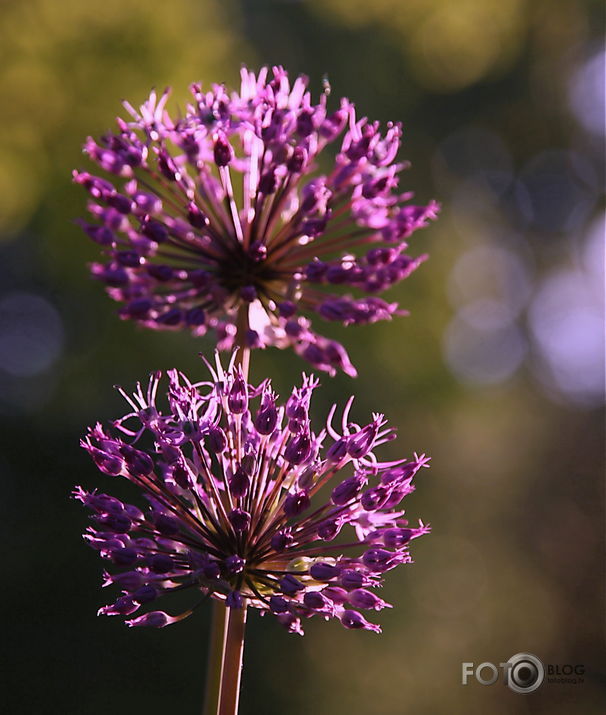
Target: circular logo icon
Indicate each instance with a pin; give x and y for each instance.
(525, 673)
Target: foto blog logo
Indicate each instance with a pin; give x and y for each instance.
(522, 673)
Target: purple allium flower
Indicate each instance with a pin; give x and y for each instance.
(245, 501)
(222, 218)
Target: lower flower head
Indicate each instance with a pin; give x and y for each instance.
(245, 503)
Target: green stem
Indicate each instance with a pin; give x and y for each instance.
(243, 356)
(218, 631)
(232, 661)
(228, 624)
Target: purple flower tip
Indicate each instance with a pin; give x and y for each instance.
(355, 620)
(154, 619)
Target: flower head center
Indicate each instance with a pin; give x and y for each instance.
(248, 273)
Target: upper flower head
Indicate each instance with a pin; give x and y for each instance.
(222, 218)
(245, 502)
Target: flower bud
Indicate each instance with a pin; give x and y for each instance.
(233, 565)
(267, 416)
(278, 604)
(295, 504)
(161, 563)
(239, 519)
(347, 490)
(154, 619)
(330, 529)
(317, 601)
(361, 598)
(322, 571)
(138, 463)
(118, 523)
(396, 538)
(360, 444)
(124, 556)
(166, 524)
(374, 498)
(337, 450)
(239, 483)
(379, 559)
(223, 152)
(298, 449)
(108, 463)
(123, 606)
(145, 594)
(216, 442)
(211, 570)
(336, 594)
(281, 540)
(290, 585)
(297, 160)
(237, 400)
(353, 619)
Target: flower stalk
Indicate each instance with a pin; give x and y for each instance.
(214, 672)
(232, 660)
(227, 624)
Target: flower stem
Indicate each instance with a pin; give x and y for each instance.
(232, 661)
(228, 624)
(243, 356)
(218, 631)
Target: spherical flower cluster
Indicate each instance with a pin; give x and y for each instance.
(221, 219)
(247, 505)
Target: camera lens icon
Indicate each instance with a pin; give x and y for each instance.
(525, 673)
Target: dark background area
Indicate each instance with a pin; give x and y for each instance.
(498, 373)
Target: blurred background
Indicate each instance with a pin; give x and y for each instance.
(498, 373)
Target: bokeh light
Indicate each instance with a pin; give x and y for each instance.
(567, 323)
(441, 40)
(492, 276)
(473, 153)
(483, 355)
(31, 334)
(55, 84)
(561, 189)
(586, 93)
